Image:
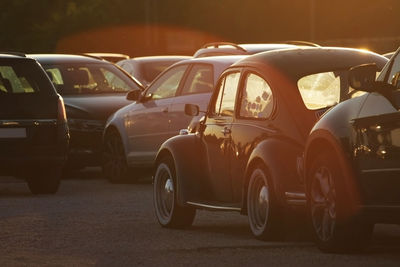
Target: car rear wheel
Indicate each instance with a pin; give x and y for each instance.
(327, 202)
(169, 213)
(46, 181)
(115, 167)
(264, 218)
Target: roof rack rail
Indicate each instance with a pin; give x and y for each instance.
(218, 44)
(303, 43)
(13, 53)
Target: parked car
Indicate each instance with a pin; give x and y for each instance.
(226, 48)
(247, 153)
(112, 57)
(92, 89)
(134, 133)
(352, 162)
(33, 129)
(146, 69)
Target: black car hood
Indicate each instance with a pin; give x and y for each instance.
(94, 107)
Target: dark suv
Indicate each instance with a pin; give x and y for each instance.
(33, 131)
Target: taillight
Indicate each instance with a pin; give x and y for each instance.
(62, 115)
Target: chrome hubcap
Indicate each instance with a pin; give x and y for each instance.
(323, 203)
(168, 194)
(258, 201)
(164, 195)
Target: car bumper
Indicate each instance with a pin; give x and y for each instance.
(85, 148)
(30, 162)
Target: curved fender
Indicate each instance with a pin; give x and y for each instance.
(280, 156)
(187, 154)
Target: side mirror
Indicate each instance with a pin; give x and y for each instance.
(192, 110)
(133, 95)
(362, 77)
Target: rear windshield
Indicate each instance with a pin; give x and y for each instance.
(22, 77)
(325, 89)
(75, 79)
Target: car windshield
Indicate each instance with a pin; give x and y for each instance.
(72, 79)
(325, 89)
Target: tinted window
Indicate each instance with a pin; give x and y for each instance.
(22, 78)
(227, 89)
(257, 99)
(89, 79)
(199, 80)
(167, 84)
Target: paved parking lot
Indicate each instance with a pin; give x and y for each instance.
(92, 222)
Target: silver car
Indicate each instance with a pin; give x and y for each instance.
(134, 133)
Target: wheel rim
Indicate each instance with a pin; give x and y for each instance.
(114, 158)
(323, 203)
(164, 192)
(259, 202)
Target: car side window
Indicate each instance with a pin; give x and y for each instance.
(257, 99)
(199, 80)
(225, 104)
(114, 82)
(394, 72)
(167, 85)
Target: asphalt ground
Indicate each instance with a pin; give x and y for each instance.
(91, 222)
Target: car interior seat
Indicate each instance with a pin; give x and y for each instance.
(5, 85)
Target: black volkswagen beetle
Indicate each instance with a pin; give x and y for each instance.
(92, 89)
(247, 154)
(352, 161)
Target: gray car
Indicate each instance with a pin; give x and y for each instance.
(146, 69)
(134, 133)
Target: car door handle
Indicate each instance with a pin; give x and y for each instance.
(226, 131)
(165, 110)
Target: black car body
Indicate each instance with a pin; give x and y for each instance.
(357, 145)
(33, 128)
(92, 89)
(247, 153)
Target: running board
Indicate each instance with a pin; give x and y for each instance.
(296, 198)
(212, 207)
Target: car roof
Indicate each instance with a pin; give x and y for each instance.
(12, 55)
(152, 59)
(298, 62)
(65, 58)
(159, 58)
(213, 59)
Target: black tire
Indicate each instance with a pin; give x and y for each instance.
(265, 218)
(168, 212)
(44, 181)
(114, 164)
(334, 231)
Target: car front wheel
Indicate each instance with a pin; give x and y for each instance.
(168, 212)
(327, 202)
(264, 218)
(115, 167)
